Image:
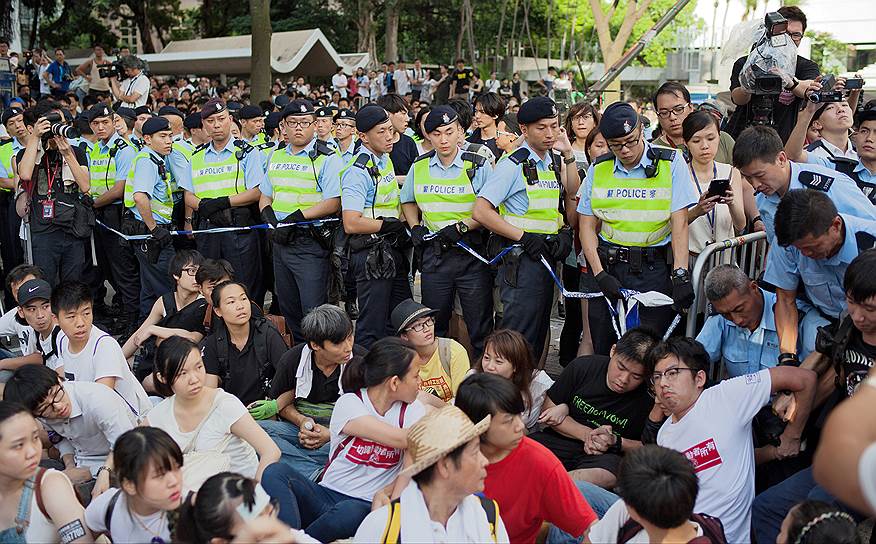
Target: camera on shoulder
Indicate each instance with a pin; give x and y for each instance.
(111, 69)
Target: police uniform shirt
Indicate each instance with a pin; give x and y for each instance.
(823, 278)
(16, 147)
(327, 183)
(179, 139)
(437, 171)
(684, 194)
(842, 190)
(123, 157)
(865, 175)
(824, 149)
(357, 187)
(507, 185)
(251, 167)
(744, 351)
(332, 143)
(148, 181)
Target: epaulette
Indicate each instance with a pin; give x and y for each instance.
(266, 145)
(664, 153)
(473, 147)
(844, 164)
(519, 156)
(242, 149)
(815, 181)
(865, 241)
(426, 155)
(121, 144)
(475, 158)
(362, 161)
(322, 148)
(815, 145)
(201, 148)
(5, 141)
(604, 157)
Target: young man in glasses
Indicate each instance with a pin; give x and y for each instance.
(712, 427)
(633, 222)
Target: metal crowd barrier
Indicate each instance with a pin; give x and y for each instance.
(748, 252)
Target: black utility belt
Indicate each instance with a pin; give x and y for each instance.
(611, 254)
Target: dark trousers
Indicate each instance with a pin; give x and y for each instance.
(452, 273)
(115, 258)
(11, 252)
(301, 273)
(526, 304)
(243, 250)
(92, 276)
(570, 337)
(654, 276)
(155, 277)
(377, 298)
(59, 254)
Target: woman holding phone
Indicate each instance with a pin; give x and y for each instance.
(720, 213)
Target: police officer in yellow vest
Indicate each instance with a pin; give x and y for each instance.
(153, 194)
(324, 126)
(252, 130)
(11, 252)
(224, 189)
(527, 188)
(633, 224)
(371, 212)
(441, 188)
(298, 187)
(109, 161)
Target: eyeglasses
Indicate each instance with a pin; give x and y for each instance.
(56, 399)
(796, 36)
(422, 325)
(503, 133)
(628, 143)
(346, 125)
(299, 124)
(583, 117)
(670, 374)
(191, 270)
(677, 110)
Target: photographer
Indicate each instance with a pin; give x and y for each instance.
(133, 92)
(786, 104)
(56, 182)
(59, 75)
(98, 87)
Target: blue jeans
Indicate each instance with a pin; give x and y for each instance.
(599, 499)
(770, 507)
(324, 514)
(303, 460)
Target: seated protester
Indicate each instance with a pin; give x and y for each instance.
(243, 351)
(508, 354)
(742, 335)
(148, 465)
(814, 522)
(306, 388)
(608, 405)
(166, 318)
(52, 512)
(231, 507)
(713, 427)
(369, 429)
(211, 273)
(659, 489)
(201, 418)
(34, 305)
(87, 354)
(525, 478)
(88, 417)
(12, 323)
(439, 505)
(443, 362)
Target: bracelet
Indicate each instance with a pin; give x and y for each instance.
(570, 160)
(756, 219)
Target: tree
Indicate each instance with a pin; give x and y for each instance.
(260, 39)
(391, 15)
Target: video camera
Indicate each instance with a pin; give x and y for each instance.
(827, 93)
(769, 67)
(58, 128)
(111, 69)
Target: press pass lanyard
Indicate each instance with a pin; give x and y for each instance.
(49, 203)
(711, 215)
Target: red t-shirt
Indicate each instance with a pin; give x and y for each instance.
(531, 487)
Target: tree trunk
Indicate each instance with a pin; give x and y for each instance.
(459, 35)
(499, 35)
(367, 41)
(469, 28)
(260, 61)
(35, 24)
(391, 12)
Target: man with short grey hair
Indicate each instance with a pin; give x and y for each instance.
(742, 332)
(306, 387)
(133, 91)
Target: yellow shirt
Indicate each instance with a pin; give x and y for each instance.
(434, 380)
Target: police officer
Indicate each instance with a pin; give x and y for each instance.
(441, 188)
(345, 129)
(324, 126)
(371, 211)
(224, 189)
(193, 131)
(817, 244)
(761, 159)
(252, 125)
(144, 113)
(109, 161)
(124, 121)
(299, 187)
(634, 210)
(153, 194)
(527, 190)
(10, 223)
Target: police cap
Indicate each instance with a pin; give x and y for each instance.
(344, 113)
(251, 112)
(325, 113)
(536, 109)
(193, 121)
(272, 121)
(171, 110)
(9, 113)
(618, 120)
(439, 117)
(212, 107)
(298, 107)
(156, 124)
(143, 110)
(281, 101)
(234, 107)
(866, 114)
(97, 111)
(370, 116)
(127, 113)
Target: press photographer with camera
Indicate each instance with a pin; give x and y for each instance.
(133, 91)
(783, 102)
(56, 182)
(59, 74)
(98, 86)
(833, 116)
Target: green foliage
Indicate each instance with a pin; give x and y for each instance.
(828, 52)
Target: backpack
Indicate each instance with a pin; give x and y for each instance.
(392, 531)
(713, 530)
(54, 353)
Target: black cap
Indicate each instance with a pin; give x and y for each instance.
(439, 117)
(171, 110)
(9, 113)
(272, 121)
(193, 121)
(156, 124)
(370, 116)
(866, 114)
(536, 109)
(140, 110)
(234, 106)
(345, 113)
(213, 106)
(34, 290)
(325, 112)
(407, 312)
(97, 111)
(128, 113)
(281, 101)
(251, 112)
(298, 107)
(618, 120)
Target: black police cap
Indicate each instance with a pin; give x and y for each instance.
(250, 112)
(142, 110)
(370, 116)
(272, 121)
(344, 113)
(97, 111)
(439, 117)
(171, 110)
(618, 120)
(128, 113)
(282, 101)
(298, 107)
(212, 107)
(325, 112)
(9, 113)
(193, 121)
(156, 124)
(536, 109)
(866, 114)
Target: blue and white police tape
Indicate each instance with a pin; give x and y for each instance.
(218, 230)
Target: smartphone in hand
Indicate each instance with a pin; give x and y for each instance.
(718, 187)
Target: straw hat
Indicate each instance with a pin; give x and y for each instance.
(437, 434)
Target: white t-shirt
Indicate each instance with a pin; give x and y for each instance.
(364, 467)
(11, 326)
(606, 529)
(716, 436)
(364, 86)
(228, 409)
(102, 357)
(339, 83)
(125, 525)
(46, 347)
(139, 84)
(44, 85)
(402, 82)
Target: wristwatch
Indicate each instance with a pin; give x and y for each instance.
(569, 160)
(680, 274)
(461, 227)
(794, 83)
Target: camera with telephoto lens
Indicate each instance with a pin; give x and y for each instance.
(58, 128)
(827, 93)
(111, 69)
